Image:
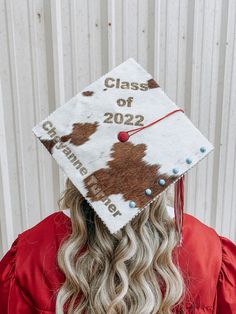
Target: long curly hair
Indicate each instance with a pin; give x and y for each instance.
(131, 271)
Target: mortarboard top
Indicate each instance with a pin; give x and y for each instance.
(119, 172)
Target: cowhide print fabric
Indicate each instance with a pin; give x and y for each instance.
(113, 176)
(79, 135)
(128, 174)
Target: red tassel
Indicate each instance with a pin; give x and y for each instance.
(179, 208)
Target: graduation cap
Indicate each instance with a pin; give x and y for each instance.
(122, 142)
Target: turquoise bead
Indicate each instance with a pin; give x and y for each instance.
(188, 160)
(202, 149)
(162, 182)
(175, 170)
(132, 204)
(148, 191)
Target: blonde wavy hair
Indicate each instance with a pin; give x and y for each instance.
(122, 272)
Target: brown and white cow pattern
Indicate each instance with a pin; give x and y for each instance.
(124, 170)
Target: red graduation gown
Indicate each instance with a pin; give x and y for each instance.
(30, 277)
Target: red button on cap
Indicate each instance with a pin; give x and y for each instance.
(123, 136)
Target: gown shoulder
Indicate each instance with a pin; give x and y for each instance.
(226, 286)
(29, 273)
(208, 264)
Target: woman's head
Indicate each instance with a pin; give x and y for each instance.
(125, 272)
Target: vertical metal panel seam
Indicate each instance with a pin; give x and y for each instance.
(8, 237)
(74, 53)
(58, 78)
(15, 96)
(219, 111)
(166, 40)
(200, 98)
(111, 34)
(157, 41)
(89, 34)
(209, 121)
(230, 102)
(34, 92)
(137, 24)
(124, 24)
(104, 36)
(177, 81)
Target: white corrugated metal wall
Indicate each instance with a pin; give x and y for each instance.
(50, 50)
